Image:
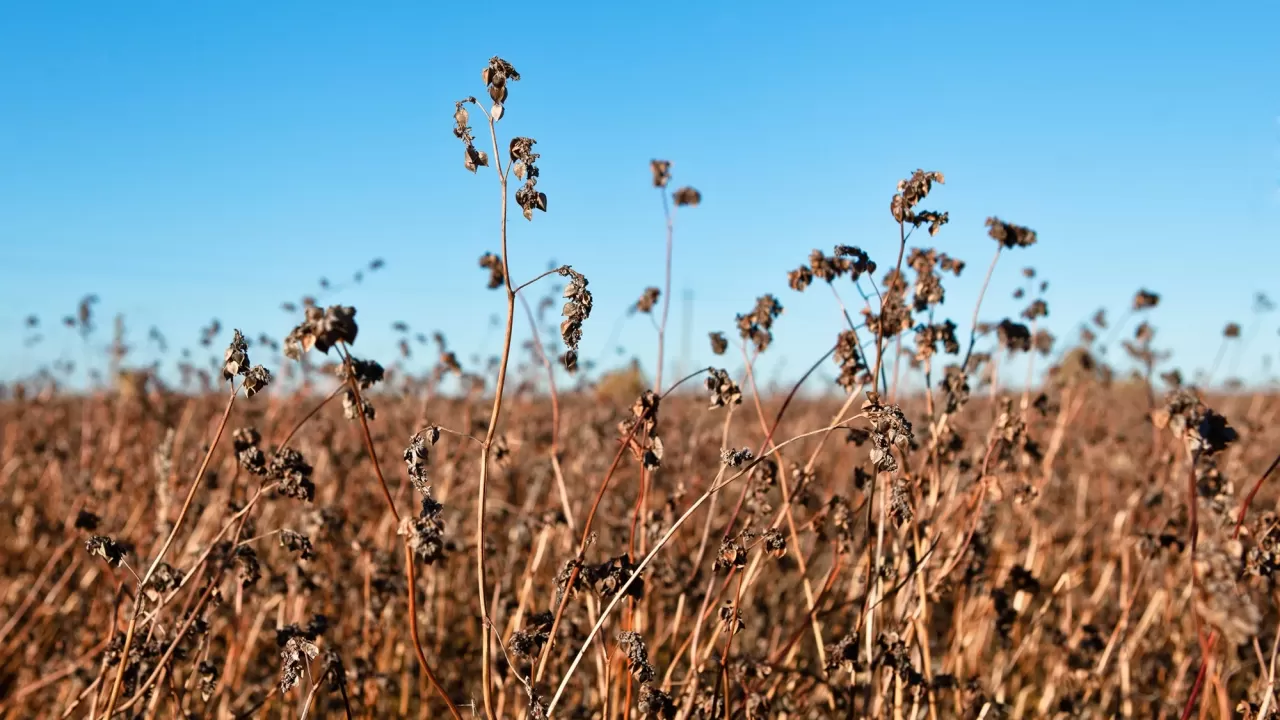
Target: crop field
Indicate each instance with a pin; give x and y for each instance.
(975, 519)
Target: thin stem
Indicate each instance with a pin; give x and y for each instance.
(554, 450)
(902, 247)
(666, 287)
(768, 438)
(1248, 499)
(308, 416)
(552, 271)
(182, 515)
(368, 437)
(973, 326)
(408, 552)
(582, 544)
(413, 630)
(662, 542)
(483, 489)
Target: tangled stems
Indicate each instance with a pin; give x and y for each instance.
(412, 591)
(662, 542)
(591, 516)
(1213, 635)
(182, 516)
(554, 450)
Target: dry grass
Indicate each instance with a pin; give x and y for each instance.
(613, 551)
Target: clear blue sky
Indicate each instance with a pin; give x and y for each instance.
(187, 161)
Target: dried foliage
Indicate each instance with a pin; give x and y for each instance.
(978, 547)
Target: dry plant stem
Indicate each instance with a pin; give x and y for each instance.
(526, 284)
(768, 438)
(368, 437)
(586, 530)
(413, 630)
(554, 450)
(188, 610)
(786, 511)
(666, 287)
(728, 644)
(182, 515)
(1248, 499)
(902, 247)
(582, 544)
(482, 491)
(977, 307)
(308, 416)
(408, 552)
(666, 537)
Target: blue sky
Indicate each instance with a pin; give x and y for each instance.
(190, 161)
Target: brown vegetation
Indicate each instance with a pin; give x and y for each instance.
(1086, 546)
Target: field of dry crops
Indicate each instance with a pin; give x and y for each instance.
(336, 538)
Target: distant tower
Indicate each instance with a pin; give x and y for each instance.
(682, 365)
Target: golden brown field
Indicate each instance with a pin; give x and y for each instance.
(362, 544)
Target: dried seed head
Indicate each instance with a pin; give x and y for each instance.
(849, 357)
(472, 158)
(248, 570)
(756, 325)
(1037, 309)
(575, 312)
(859, 261)
(495, 78)
(1010, 235)
(1202, 429)
(929, 336)
(656, 704)
(735, 458)
(686, 196)
(889, 429)
(236, 359)
(256, 380)
(366, 373)
(293, 473)
(608, 577)
(252, 459)
(647, 300)
(724, 391)
(910, 192)
(731, 617)
(522, 162)
(296, 542)
(1144, 300)
(661, 172)
(718, 343)
(731, 555)
(208, 672)
(800, 278)
(297, 654)
(1014, 337)
(775, 543)
(426, 531)
(417, 455)
(955, 385)
(322, 329)
(107, 549)
(632, 646)
(1043, 341)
